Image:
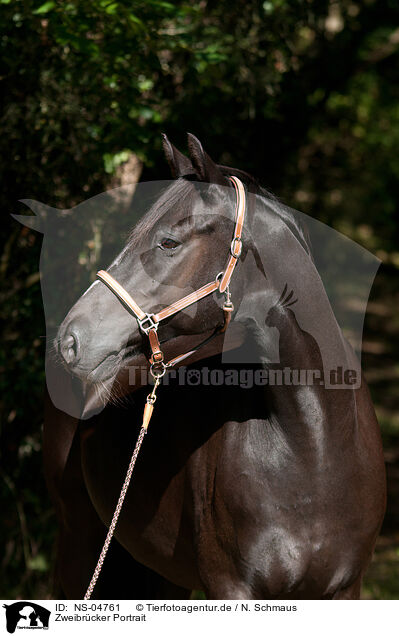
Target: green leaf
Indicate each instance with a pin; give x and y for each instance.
(45, 8)
(112, 161)
(112, 8)
(38, 563)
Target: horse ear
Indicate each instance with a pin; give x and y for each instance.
(206, 169)
(179, 164)
(41, 213)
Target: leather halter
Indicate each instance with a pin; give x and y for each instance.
(148, 323)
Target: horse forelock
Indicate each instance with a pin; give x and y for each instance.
(178, 194)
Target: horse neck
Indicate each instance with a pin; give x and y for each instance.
(310, 415)
(307, 413)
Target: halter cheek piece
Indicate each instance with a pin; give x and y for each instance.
(148, 323)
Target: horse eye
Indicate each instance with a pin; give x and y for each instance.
(168, 244)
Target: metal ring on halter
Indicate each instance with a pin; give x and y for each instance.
(219, 277)
(154, 370)
(236, 247)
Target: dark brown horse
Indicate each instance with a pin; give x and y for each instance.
(276, 491)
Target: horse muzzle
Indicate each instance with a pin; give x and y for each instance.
(94, 346)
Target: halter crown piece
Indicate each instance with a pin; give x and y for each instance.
(148, 324)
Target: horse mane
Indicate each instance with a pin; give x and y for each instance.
(287, 214)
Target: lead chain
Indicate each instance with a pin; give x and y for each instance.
(148, 409)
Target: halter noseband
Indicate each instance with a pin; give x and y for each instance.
(148, 323)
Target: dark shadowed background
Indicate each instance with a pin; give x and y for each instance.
(302, 93)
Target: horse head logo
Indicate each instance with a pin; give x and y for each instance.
(26, 615)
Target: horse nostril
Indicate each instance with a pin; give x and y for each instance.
(69, 341)
(70, 348)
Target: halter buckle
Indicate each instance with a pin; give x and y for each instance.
(147, 323)
(236, 247)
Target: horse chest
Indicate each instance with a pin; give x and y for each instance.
(266, 524)
(226, 510)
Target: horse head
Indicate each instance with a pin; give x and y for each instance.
(181, 243)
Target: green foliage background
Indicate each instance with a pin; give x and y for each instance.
(302, 93)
